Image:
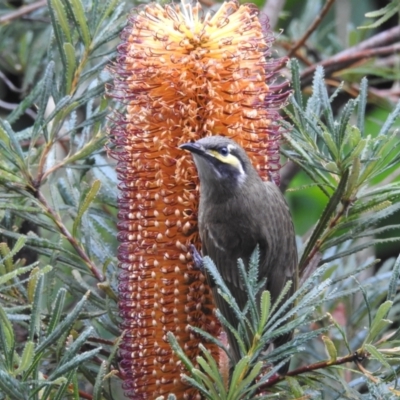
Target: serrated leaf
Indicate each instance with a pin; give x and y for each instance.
(69, 51)
(179, 352)
(295, 388)
(26, 357)
(34, 324)
(85, 205)
(61, 17)
(81, 20)
(208, 378)
(56, 311)
(33, 278)
(265, 307)
(7, 339)
(240, 370)
(11, 275)
(393, 284)
(242, 388)
(61, 329)
(98, 386)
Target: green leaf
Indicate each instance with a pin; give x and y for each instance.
(324, 220)
(84, 205)
(239, 371)
(11, 275)
(34, 324)
(179, 352)
(62, 328)
(330, 348)
(379, 323)
(56, 311)
(265, 308)
(69, 51)
(393, 284)
(377, 355)
(80, 18)
(26, 358)
(98, 386)
(61, 18)
(33, 279)
(7, 339)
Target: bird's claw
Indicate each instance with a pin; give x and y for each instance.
(197, 258)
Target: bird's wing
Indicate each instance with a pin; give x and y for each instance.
(280, 261)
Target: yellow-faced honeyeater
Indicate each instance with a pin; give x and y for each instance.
(237, 212)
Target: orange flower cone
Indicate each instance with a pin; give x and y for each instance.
(183, 74)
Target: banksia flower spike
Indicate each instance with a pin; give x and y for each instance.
(183, 74)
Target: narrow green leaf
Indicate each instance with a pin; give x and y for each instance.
(11, 275)
(209, 379)
(33, 279)
(331, 145)
(323, 221)
(214, 371)
(69, 51)
(330, 348)
(197, 382)
(9, 137)
(379, 322)
(73, 363)
(362, 104)
(353, 179)
(11, 387)
(377, 355)
(248, 380)
(61, 17)
(80, 17)
(62, 328)
(56, 311)
(265, 308)
(179, 352)
(85, 205)
(393, 284)
(239, 371)
(295, 387)
(73, 350)
(60, 394)
(34, 324)
(7, 339)
(26, 357)
(98, 386)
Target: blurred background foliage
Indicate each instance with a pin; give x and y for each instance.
(58, 289)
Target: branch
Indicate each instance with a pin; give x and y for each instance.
(22, 11)
(355, 357)
(312, 28)
(56, 218)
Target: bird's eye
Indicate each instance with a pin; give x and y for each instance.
(223, 151)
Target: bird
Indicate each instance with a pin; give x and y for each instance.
(238, 211)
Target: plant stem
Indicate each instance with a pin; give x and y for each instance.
(355, 357)
(78, 248)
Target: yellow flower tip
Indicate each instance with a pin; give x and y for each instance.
(183, 74)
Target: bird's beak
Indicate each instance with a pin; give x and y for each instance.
(193, 148)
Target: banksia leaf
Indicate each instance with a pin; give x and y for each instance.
(183, 74)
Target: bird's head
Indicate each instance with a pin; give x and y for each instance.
(220, 162)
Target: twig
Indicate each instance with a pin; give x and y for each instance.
(56, 218)
(345, 59)
(312, 28)
(22, 11)
(355, 357)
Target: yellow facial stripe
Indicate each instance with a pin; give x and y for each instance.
(229, 159)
